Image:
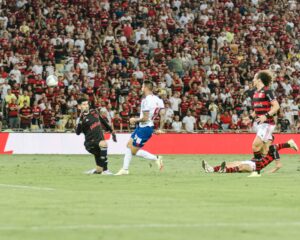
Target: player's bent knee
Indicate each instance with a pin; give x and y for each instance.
(129, 144)
(103, 144)
(134, 150)
(257, 146)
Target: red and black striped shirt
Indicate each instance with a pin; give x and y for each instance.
(261, 103)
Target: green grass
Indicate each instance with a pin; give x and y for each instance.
(181, 203)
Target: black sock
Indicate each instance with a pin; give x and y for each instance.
(103, 157)
(98, 160)
(257, 155)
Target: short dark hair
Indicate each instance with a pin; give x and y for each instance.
(265, 77)
(148, 84)
(81, 100)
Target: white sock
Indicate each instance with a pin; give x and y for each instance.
(127, 158)
(147, 155)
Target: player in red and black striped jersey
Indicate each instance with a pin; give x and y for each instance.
(89, 123)
(265, 107)
(252, 165)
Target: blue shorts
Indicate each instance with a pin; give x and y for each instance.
(141, 135)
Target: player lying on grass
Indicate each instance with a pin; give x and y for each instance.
(252, 165)
(89, 123)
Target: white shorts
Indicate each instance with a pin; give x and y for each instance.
(249, 163)
(264, 131)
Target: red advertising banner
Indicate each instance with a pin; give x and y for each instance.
(69, 143)
(210, 143)
(3, 142)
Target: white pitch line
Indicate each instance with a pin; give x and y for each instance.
(26, 187)
(149, 226)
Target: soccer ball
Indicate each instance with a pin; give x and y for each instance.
(52, 81)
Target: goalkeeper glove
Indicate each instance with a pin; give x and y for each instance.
(114, 136)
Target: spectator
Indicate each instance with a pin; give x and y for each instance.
(226, 120)
(213, 109)
(117, 123)
(169, 115)
(36, 116)
(23, 98)
(177, 124)
(72, 107)
(9, 97)
(47, 117)
(175, 102)
(189, 122)
(13, 112)
(70, 124)
(25, 114)
(204, 49)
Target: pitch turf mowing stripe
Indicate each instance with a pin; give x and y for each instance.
(130, 226)
(26, 187)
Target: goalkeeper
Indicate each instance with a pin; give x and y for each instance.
(89, 123)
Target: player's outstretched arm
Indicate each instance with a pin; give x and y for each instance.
(105, 124)
(278, 165)
(108, 128)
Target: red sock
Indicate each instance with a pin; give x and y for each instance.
(232, 170)
(282, 145)
(217, 168)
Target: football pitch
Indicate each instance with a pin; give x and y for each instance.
(49, 197)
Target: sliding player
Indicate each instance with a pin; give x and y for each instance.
(253, 164)
(144, 130)
(89, 123)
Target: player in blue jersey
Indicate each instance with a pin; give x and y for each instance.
(150, 107)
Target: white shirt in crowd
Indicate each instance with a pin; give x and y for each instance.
(37, 69)
(139, 74)
(189, 122)
(83, 65)
(177, 126)
(109, 39)
(4, 87)
(287, 88)
(17, 74)
(289, 115)
(70, 28)
(72, 103)
(69, 40)
(175, 102)
(168, 79)
(55, 41)
(169, 114)
(80, 43)
(50, 70)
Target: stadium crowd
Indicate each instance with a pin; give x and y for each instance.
(201, 55)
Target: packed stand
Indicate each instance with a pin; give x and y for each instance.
(201, 55)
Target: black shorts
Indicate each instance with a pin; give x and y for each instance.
(92, 146)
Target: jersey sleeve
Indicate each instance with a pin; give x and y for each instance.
(270, 95)
(105, 124)
(161, 104)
